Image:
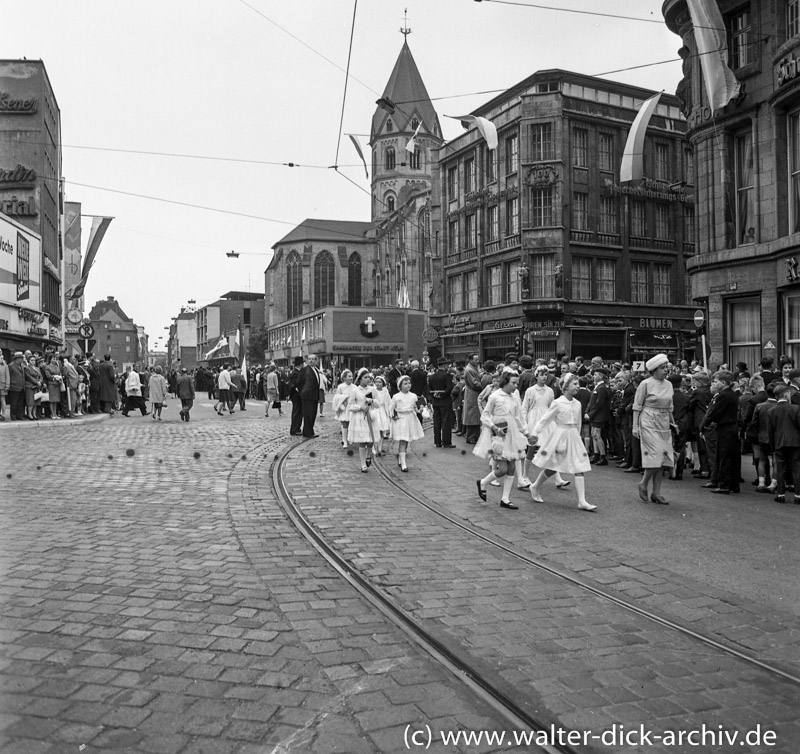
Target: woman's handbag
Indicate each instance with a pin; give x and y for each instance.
(425, 413)
(41, 396)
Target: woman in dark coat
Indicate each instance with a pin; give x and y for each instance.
(108, 385)
(698, 404)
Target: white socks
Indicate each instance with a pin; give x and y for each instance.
(508, 483)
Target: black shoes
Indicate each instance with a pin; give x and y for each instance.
(509, 506)
(658, 499)
(448, 446)
(481, 491)
(601, 461)
(711, 485)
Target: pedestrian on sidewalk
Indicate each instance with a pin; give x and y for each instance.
(562, 449)
(272, 388)
(158, 392)
(133, 393)
(185, 392)
(405, 425)
(344, 392)
(503, 436)
(225, 386)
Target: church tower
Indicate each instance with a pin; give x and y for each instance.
(402, 181)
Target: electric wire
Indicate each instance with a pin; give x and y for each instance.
(346, 78)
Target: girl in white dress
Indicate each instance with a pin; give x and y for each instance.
(562, 449)
(383, 425)
(405, 425)
(340, 400)
(502, 436)
(363, 417)
(537, 400)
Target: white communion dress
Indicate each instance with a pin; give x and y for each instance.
(363, 425)
(502, 410)
(340, 400)
(559, 438)
(406, 426)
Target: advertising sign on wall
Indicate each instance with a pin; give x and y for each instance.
(20, 265)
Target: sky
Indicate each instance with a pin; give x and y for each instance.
(179, 117)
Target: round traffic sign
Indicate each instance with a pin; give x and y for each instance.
(86, 331)
(699, 318)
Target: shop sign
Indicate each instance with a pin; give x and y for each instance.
(19, 176)
(503, 324)
(722, 288)
(542, 175)
(458, 324)
(12, 105)
(430, 335)
(369, 347)
(547, 324)
(544, 333)
(651, 190)
(608, 322)
(20, 265)
(654, 323)
(19, 207)
(787, 69)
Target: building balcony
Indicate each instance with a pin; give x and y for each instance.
(641, 242)
(492, 246)
(509, 242)
(469, 253)
(664, 244)
(581, 236)
(609, 239)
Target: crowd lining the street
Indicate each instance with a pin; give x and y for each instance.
(552, 416)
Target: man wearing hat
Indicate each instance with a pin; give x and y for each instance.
(440, 386)
(471, 413)
(16, 387)
(185, 390)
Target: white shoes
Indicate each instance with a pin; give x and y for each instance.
(587, 507)
(524, 483)
(535, 496)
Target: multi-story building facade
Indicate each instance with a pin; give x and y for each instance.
(182, 343)
(30, 179)
(545, 252)
(115, 333)
(221, 320)
(357, 293)
(746, 274)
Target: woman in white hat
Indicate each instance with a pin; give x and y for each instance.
(652, 422)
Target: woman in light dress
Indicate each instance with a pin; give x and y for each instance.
(502, 436)
(405, 425)
(535, 403)
(158, 393)
(561, 448)
(363, 417)
(340, 400)
(383, 425)
(652, 424)
(272, 389)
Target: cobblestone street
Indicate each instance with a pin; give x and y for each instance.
(155, 597)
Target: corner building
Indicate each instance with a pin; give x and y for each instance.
(544, 251)
(746, 273)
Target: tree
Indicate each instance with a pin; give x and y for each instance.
(258, 345)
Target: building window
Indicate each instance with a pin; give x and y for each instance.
(542, 207)
(580, 147)
(662, 221)
(513, 283)
(127, 338)
(688, 224)
(688, 165)
(745, 195)
(542, 145)
(471, 290)
(512, 216)
(389, 125)
(792, 18)
(638, 218)
(452, 237)
(639, 283)
(324, 280)
(294, 285)
(389, 159)
(354, 279)
(127, 349)
(662, 162)
(469, 175)
(744, 331)
(491, 165)
(606, 272)
(791, 320)
(606, 152)
(687, 282)
(794, 172)
(741, 39)
(608, 214)
(456, 293)
(452, 184)
(662, 287)
(581, 278)
(541, 276)
(389, 203)
(492, 223)
(494, 278)
(512, 154)
(580, 211)
(413, 159)
(470, 232)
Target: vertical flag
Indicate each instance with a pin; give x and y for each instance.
(242, 351)
(406, 299)
(712, 49)
(99, 228)
(357, 145)
(631, 167)
(412, 142)
(486, 127)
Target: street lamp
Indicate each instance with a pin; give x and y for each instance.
(232, 255)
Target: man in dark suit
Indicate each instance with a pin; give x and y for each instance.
(724, 412)
(599, 412)
(294, 396)
(308, 383)
(784, 433)
(419, 384)
(440, 385)
(393, 375)
(107, 393)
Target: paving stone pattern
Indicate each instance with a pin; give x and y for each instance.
(575, 659)
(154, 599)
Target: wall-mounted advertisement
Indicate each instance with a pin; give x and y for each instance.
(20, 265)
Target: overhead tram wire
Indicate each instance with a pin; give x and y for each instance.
(344, 93)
